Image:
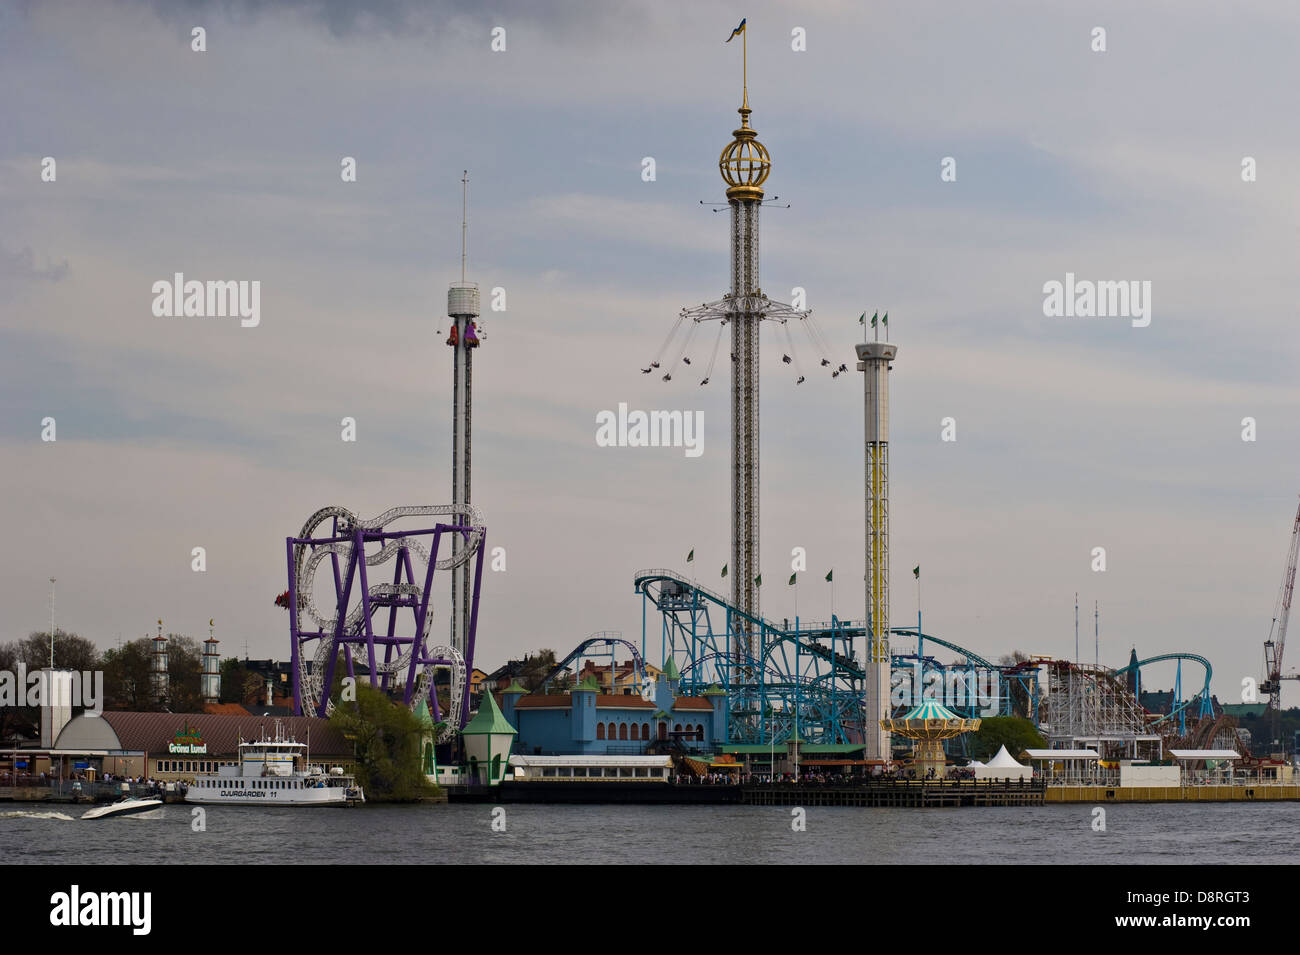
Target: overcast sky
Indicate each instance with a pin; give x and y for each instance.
(1072, 433)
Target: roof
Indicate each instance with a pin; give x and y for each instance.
(670, 670)
(1062, 753)
(544, 761)
(151, 732)
(540, 701)
(1004, 760)
(514, 687)
(1245, 709)
(225, 709)
(930, 710)
(488, 720)
(692, 703)
(623, 701)
(1204, 754)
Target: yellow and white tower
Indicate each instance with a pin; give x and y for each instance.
(875, 359)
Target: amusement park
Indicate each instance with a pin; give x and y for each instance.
(711, 699)
(710, 683)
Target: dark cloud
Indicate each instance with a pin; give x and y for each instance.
(344, 18)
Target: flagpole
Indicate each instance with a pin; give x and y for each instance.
(744, 64)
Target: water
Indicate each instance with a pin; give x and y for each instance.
(745, 835)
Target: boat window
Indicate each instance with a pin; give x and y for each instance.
(625, 772)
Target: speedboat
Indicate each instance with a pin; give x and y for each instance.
(126, 806)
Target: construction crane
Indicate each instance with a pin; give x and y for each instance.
(1272, 685)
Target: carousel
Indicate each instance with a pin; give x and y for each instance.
(928, 724)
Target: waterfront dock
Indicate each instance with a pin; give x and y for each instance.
(900, 793)
(1097, 795)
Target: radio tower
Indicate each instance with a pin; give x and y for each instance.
(463, 309)
(874, 359)
(744, 165)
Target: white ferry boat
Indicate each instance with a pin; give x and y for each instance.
(275, 772)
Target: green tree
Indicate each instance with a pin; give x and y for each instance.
(1014, 732)
(128, 682)
(1017, 689)
(128, 676)
(387, 737)
(184, 674)
(71, 652)
(535, 669)
(16, 721)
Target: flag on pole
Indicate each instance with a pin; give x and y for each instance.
(885, 321)
(916, 571)
(724, 570)
(758, 581)
(875, 317)
(738, 31)
(691, 556)
(792, 577)
(828, 575)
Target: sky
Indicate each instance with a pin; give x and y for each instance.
(1071, 433)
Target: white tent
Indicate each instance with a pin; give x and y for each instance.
(1003, 766)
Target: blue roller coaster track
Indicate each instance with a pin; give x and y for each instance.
(808, 678)
(1179, 707)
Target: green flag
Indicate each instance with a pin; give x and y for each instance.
(724, 570)
(916, 571)
(862, 318)
(792, 576)
(885, 321)
(874, 317)
(758, 581)
(828, 575)
(691, 556)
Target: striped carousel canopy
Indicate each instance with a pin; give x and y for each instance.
(931, 710)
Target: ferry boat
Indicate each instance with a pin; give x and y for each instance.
(275, 772)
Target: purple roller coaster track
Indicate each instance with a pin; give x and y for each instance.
(394, 649)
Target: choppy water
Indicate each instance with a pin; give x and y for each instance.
(1184, 833)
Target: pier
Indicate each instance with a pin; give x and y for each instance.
(901, 793)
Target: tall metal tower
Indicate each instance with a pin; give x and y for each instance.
(745, 165)
(463, 309)
(874, 359)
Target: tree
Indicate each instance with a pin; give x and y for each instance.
(535, 668)
(1014, 732)
(71, 652)
(184, 674)
(387, 737)
(15, 720)
(1021, 703)
(234, 676)
(128, 676)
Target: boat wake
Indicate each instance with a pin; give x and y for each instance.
(25, 814)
